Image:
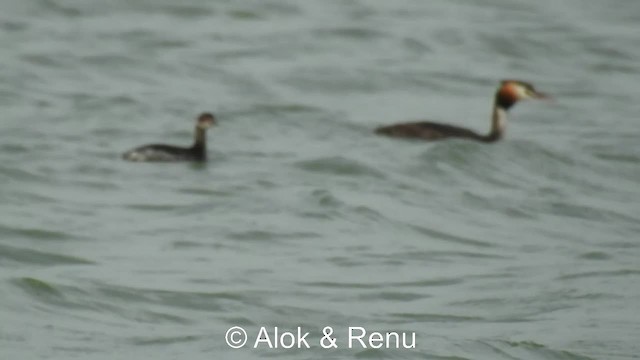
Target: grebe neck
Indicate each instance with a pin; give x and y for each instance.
(200, 140)
(498, 124)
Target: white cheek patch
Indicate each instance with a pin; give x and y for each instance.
(522, 92)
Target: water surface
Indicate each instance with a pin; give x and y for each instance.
(526, 249)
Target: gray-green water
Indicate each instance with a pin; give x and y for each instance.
(526, 249)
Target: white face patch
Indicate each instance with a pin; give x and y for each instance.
(521, 92)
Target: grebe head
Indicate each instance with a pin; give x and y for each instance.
(206, 120)
(512, 91)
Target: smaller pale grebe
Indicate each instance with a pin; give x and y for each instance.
(509, 93)
(160, 152)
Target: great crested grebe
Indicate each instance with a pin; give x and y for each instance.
(509, 93)
(160, 152)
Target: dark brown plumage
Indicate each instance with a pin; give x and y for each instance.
(166, 153)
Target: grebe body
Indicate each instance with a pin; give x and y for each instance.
(508, 94)
(165, 153)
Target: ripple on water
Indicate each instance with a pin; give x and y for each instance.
(14, 148)
(434, 318)
(188, 300)
(521, 350)
(436, 234)
(618, 156)
(245, 14)
(261, 10)
(419, 284)
(393, 296)
(22, 256)
(595, 255)
(74, 297)
(189, 11)
(22, 175)
(155, 207)
(163, 341)
(37, 288)
(35, 234)
(276, 109)
(601, 274)
(261, 235)
(55, 7)
(569, 209)
(356, 33)
(340, 166)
